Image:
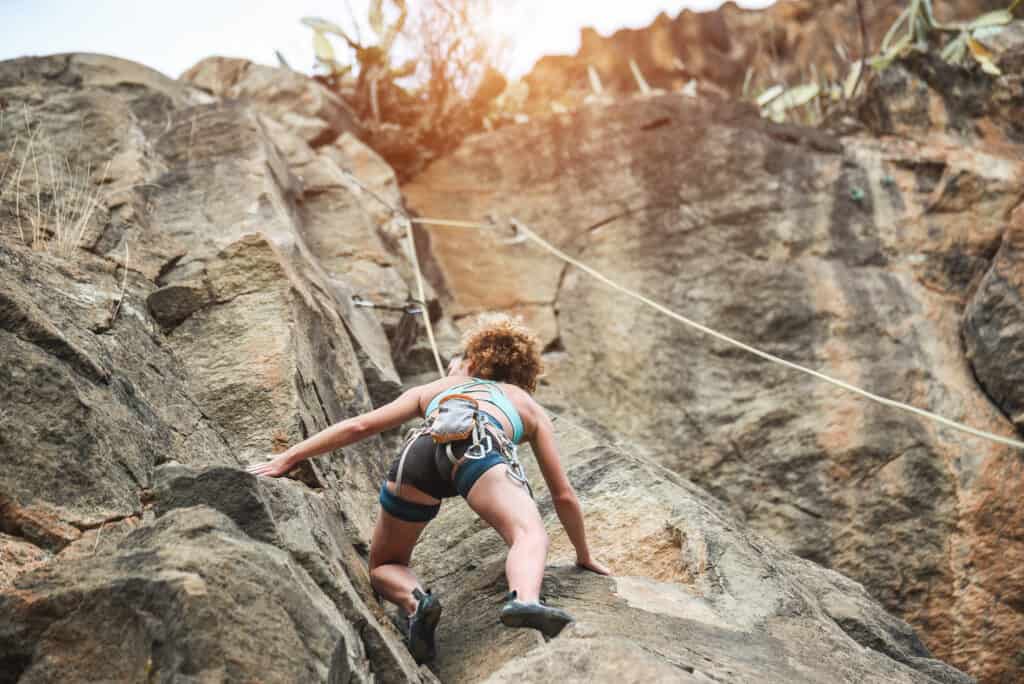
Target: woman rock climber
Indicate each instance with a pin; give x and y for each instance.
(498, 369)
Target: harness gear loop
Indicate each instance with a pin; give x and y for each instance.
(482, 442)
(413, 435)
(510, 452)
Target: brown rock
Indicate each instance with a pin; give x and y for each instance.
(304, 106)
(854, 259)
(994, 323)
(19, 556)
(732, 606)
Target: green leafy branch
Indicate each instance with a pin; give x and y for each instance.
(374, 59)
(916, 28)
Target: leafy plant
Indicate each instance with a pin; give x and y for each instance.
(374, 59)
(775, 102)
(366, 54)
(916, 27)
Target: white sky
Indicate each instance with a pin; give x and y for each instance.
(173, 35)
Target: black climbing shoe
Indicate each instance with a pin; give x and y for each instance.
(422, 624)
(548, 620)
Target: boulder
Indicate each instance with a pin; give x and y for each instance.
(994, 324)
(178, 592)
(309, 527)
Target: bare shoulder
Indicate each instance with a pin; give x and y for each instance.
(424, 393)
(518, 395)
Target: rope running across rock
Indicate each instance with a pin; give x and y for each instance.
(524, 231)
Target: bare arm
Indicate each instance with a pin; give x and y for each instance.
(404, 408)
(567, 505)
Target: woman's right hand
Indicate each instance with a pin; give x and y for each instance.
(589, 563)
(277, 466)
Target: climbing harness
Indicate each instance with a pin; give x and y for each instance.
(458, 418)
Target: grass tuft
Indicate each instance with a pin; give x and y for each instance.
(53, 200)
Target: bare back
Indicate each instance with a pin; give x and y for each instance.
(520, 399)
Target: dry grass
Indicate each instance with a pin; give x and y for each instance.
(53, 200)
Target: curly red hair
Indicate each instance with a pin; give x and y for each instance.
(502, 349)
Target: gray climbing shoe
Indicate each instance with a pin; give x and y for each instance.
(550, 621)
(422, 624)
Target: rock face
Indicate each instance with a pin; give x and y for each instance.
(695, 597)
(344, 189)
(728, 48)
(194, 331)
(855, 256)
(207, 319)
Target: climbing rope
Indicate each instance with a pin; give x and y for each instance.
(523, 231)
(423, 297)
(413, 256)
(765, 355)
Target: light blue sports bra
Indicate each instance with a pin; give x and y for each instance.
(496, 397)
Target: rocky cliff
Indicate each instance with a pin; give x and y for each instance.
(207, 317)
(885, 254)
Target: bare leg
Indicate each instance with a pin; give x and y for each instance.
(507, 507)
(391, 550)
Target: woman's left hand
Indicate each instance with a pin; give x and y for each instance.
(276, 467)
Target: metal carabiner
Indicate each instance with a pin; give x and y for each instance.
(479, 446)
(516, 472)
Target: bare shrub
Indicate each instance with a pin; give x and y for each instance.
(442, 89)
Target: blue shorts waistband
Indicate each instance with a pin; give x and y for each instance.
(472, 469)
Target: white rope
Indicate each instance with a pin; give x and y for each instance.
(423, 297)
(662, 309)
(725, 338)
